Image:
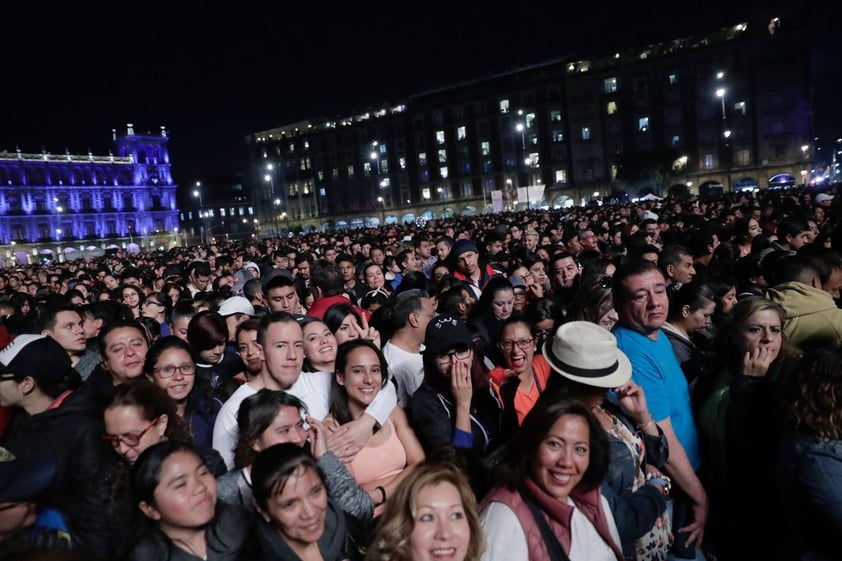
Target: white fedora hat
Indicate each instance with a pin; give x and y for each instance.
(586, 353)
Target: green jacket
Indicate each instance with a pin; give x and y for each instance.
(812, 318)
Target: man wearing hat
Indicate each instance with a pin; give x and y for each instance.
(53, 421)
(235, 310)
(467, 266)
(641, 301)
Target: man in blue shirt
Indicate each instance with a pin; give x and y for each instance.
(640, 298)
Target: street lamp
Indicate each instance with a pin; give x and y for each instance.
(720, 93)
(197, 193)
(382, 211)
(521, 128)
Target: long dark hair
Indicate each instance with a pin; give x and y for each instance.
(338, 394)
(201, 397)
(145, 478)
(256, 413)
(520, 454)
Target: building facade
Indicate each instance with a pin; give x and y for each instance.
(730, 109)
(63, 206)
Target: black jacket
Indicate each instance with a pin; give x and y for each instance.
(70, 435)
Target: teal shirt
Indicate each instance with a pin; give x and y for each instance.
(656, 370)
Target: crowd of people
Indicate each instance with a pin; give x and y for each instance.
(636, 381)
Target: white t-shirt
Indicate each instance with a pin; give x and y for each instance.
(225, 432)
(406, 368)
(505, 539)
(313, 388)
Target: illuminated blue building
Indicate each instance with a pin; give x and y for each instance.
(87, 202)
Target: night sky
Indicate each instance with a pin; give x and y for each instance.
(213, 74)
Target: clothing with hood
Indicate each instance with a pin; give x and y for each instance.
(69, 433)
(812, 319)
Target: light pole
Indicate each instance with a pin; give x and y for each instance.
(382, 211)
(375, 157)
(197, 193)
(726, 132)
(521, 128)
(58, 239)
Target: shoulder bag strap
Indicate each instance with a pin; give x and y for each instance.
(554, 549)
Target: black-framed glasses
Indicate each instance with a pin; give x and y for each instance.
(524, 344)
(542, 334)
(130, 439)
(459, 354)
(168, 371)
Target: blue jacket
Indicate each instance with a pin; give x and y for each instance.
(809, 476)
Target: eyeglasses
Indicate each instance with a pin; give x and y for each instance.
(168, 371)
(543, 333)
(459, 354)
(524, 344)
(129, 439)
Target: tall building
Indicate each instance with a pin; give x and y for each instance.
(63, 206)
(729, 109)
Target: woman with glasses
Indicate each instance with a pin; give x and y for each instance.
(169, 364)
(455, 404)
(157, 306)
(139, 414)
(545, 315)
(520, 381)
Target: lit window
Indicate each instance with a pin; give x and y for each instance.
(708, 161)
(222, 212)
(610, 85)
(251, 210)
(443, 172)
(676, 141)
(460, 133)
(402, 162)
(555, 116)
(586, 133)
(467, 190)
(561, 176)
(740, 108)
(351, 169)
(558, 136)
(612, 107)
(425, 193)
(422, 158)
(529, 119)
(485, 147)
(743, 157)
(442, 156)
(643, 124)
(533, 160)
(504, 106)
(439, 137)
(672, 79)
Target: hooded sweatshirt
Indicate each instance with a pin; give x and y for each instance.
(812, 319)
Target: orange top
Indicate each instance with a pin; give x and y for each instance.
(524, 401)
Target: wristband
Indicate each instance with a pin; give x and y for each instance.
(661, 480)
(382, 493)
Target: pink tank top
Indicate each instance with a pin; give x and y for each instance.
(374, 462)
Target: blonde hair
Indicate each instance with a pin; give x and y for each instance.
(391, 540)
